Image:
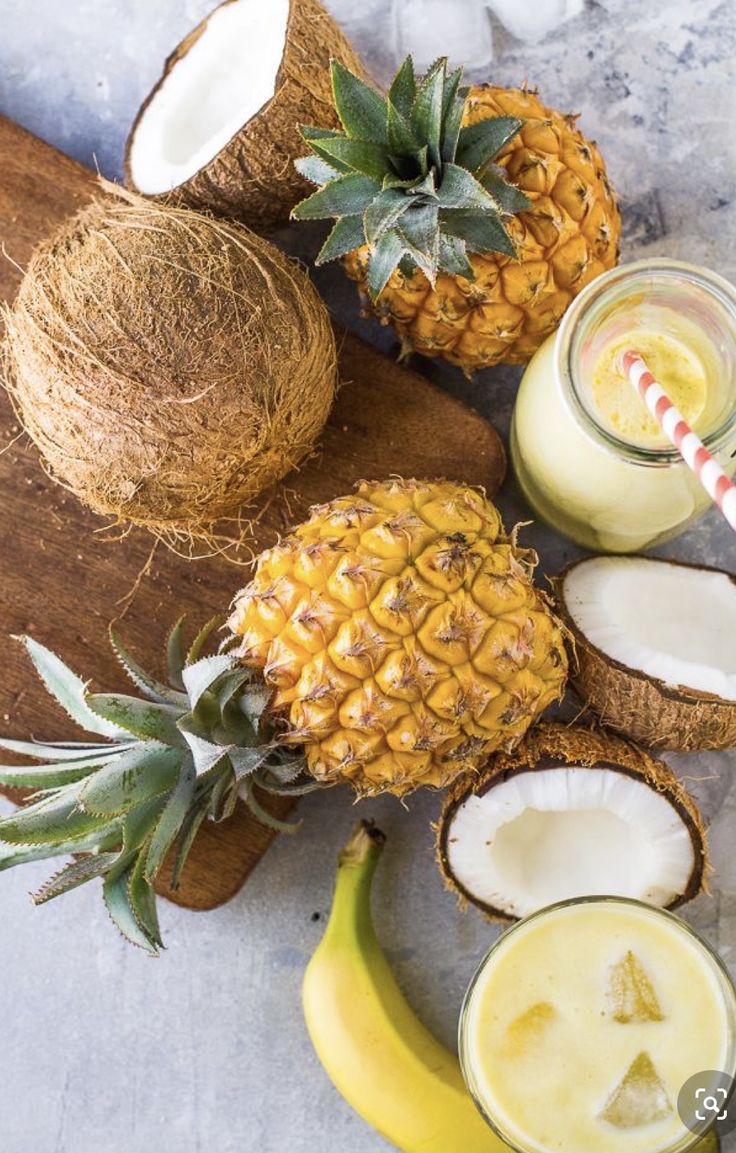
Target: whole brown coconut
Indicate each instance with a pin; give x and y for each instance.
(169, 367)
(220, 128)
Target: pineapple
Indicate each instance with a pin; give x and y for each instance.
(402, 635)
(393, 640)
(469, 218)
(135, 797)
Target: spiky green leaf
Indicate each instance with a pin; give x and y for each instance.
(453, 257)
(510, 198)
(402, 140)
(383, 212)
(228, 687)
(202, 674)
(76, 873)
(361, 109)
(420, 229)
(145, 719)
(175, 653)
(142, 900)
(247, 761)
(223, 797)
(172, 819)
(453, 108)
(296, 787)
(315, 136)
(11, 855)
(254, 702)
(53, 774)
(67, 688)
(316, 170)
(117, 900)
(481, 233)
(357, 155)
(347, 196)
(187, 837)
(347, 235)
(420, 182)
(154, 689)
(197, 646)
(479, 143)
(460, 190)
(249, 795)
(138, 825)
(426, 119)
(206, 754)
(384, 259)
(140, 774)
(52, 820)
(403, 90)
(61, 750)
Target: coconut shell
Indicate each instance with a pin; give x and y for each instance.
(169, 367)
(253, 178)
(549, 744)
(648, 710)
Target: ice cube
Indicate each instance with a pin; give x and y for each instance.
(631, 994)
(458, 29)
(639, 1098)
(532, 22)
(528, 1028)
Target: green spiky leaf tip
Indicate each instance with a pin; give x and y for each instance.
(184, 749)
(407, 179)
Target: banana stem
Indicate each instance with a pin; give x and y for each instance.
(364, 847)
(350, 918)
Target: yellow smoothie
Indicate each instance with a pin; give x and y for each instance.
(585, 1021)
(682, 365)
(588, 456)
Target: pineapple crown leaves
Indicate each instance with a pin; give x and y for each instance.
(407, 179)
(181, 752)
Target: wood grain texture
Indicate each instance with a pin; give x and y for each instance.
(63, 579)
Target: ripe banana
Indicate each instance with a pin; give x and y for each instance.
(376, 1051)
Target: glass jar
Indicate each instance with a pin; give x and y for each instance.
(588, 1025)
(604, 491)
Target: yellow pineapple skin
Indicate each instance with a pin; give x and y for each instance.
(402, 635)
(569, 236)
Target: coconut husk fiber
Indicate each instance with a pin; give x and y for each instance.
(169, 366)
(253, 177)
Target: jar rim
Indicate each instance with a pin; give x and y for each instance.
(720, 289)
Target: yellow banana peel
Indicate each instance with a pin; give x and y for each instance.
(378, 1054)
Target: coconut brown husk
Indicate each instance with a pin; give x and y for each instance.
(253, 178)
(646, 709)
(548, 745)
(169, 367)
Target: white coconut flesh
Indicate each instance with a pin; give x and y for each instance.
(568, 831)
(672, 623)
(220, 84)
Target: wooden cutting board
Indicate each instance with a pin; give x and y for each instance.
(63, 581)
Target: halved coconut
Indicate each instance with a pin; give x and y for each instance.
(220, 129)
(656, 648)
(571, 812)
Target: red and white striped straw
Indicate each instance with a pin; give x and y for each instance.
(717, 484)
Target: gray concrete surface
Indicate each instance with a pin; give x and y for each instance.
(103, 1049)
